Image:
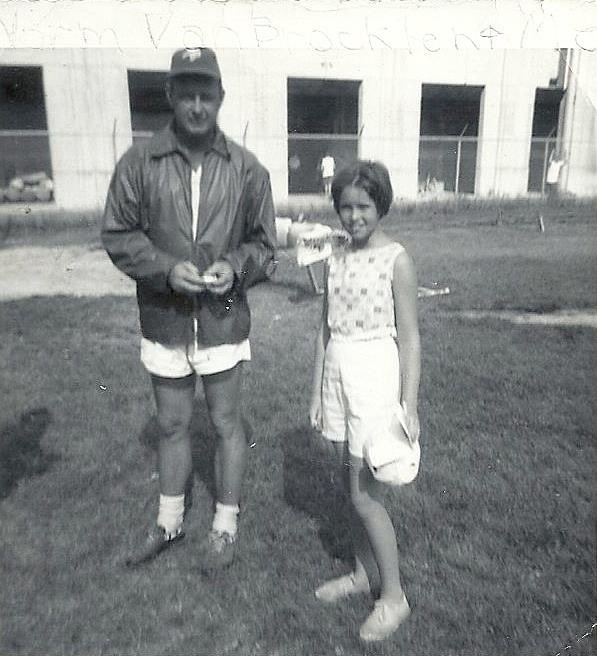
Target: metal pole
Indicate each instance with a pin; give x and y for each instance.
(458, 153)
(545, 149)
(545, 158)
(566, 136)
(458, 156)
(359, 139)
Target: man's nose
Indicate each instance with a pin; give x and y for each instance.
(197, 104)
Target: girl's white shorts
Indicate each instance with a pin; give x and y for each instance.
(360, 390)
(178, 361)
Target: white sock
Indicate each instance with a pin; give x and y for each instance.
(225, 519)
(171, 513)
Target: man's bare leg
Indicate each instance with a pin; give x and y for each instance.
(223, 397)
(174, 399)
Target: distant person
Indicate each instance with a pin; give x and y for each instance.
(294, 163)
(367, 366)
(552, 176)
(327, 168)
(190, 217)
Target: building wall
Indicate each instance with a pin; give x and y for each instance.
(89, 118)
(254, 112)
(579, 138)
(391, 108)
(508, 102)
(89, 123)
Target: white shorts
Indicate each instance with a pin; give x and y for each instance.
(178, 362)
(360, 390)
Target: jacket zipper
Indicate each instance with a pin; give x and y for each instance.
(194, 237)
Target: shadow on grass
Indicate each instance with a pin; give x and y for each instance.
(21, 454)
(313, 485)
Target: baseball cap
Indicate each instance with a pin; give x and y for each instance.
(195, 61)
(392, 457)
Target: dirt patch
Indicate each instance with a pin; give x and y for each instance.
(81, 271)
(72, 271)
(556, 318)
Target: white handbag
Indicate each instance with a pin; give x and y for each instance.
(391, 455)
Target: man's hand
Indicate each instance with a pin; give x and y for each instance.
(224, 277)
(184, 278)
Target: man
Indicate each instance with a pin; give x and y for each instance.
(327, 167)
(190, 217)
(553, 174)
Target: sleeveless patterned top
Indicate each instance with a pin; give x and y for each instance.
(360, 297)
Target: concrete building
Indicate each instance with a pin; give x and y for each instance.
(484, 122)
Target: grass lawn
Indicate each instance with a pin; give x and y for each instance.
(497, 534)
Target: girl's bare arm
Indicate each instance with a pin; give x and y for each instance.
(404, 287)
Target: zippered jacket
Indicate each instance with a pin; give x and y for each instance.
(147, 229)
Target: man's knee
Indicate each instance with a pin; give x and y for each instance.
(227, 424)
(173, 426)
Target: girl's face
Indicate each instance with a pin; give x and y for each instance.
(358, 214)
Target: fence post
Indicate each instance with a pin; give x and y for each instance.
(545, 150)
(458, 155)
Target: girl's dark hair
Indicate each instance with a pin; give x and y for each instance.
(372, 177)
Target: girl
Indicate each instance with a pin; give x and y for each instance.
(367, 361)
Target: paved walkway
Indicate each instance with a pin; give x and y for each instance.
(79, 271)
(73, 271)
(557, 318)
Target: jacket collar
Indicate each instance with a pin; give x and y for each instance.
(165, 142)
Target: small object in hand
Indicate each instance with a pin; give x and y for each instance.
(208, 278)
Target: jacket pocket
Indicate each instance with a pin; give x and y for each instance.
(223, 319)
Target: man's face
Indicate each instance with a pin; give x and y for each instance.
(196, 102)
